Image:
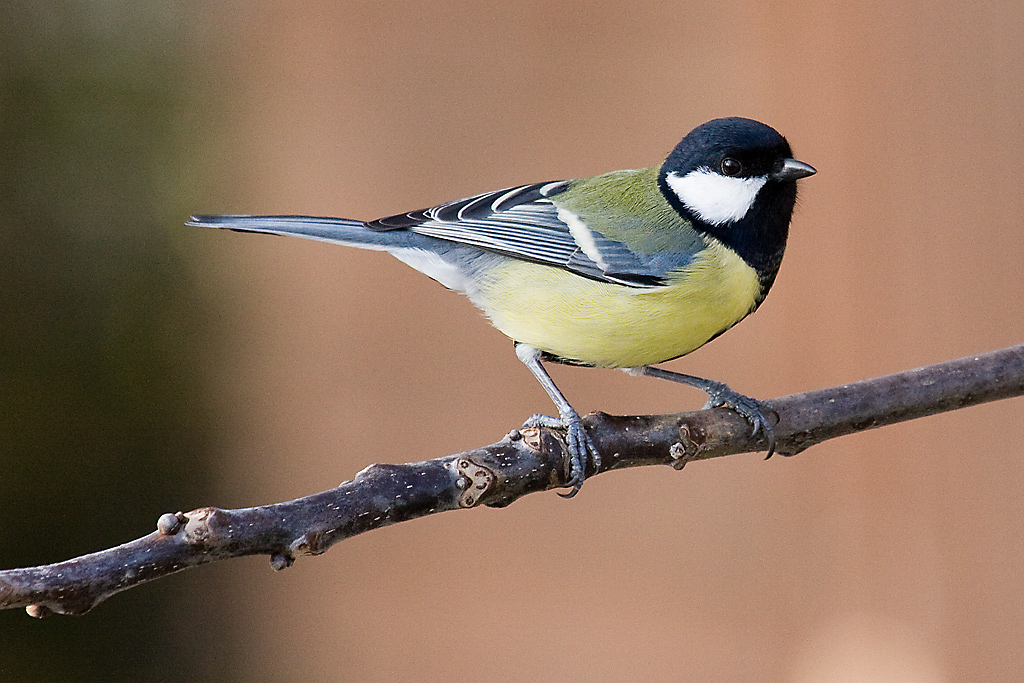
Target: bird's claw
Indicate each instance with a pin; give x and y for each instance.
(752, 410)
(577, 443)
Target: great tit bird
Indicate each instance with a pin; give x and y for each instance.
(621, 270)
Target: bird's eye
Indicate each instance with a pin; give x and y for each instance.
(731, 167)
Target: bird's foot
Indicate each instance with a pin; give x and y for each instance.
(577, 443)
(720, 395)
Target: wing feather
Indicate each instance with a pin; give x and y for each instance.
(524, 222)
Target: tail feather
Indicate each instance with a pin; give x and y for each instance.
(337, 230)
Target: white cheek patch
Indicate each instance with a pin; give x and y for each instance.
(715, 198)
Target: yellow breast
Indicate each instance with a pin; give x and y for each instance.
(614, 326)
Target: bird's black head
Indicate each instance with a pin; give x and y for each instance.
(735, 179)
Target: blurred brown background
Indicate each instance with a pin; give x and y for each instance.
(289, 365)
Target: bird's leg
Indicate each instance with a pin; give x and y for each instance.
(577, 442)
(719, 394)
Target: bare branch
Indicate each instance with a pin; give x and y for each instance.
(496, 475)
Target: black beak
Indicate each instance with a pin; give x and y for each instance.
(791, 169)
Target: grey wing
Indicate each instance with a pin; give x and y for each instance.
(524, 223)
